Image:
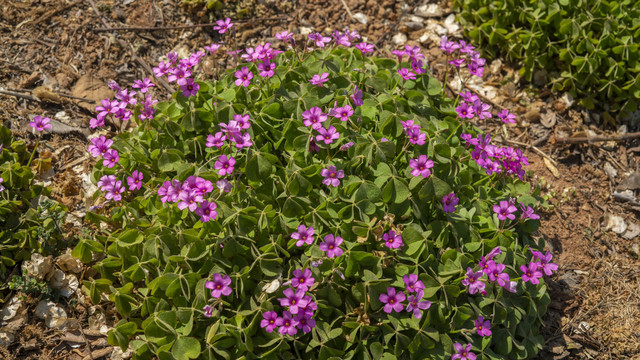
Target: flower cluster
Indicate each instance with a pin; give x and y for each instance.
(496, 159)
(300, 307)
(413, 132)
(468, 56)
(392, 300)
(119, 107)
(330, 245)
(416, 61)
(232, 131)
(190, 195)
(493, 270)
(542, 263)
(505, 209)
(219, 285)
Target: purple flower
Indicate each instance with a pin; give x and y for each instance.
(482, 110)
(216, 140)
(356, 97)
(114, 191)
(319, 40)
(545, 262)
(207, 211)
(269, 320)
(127, 97)
(113, 85)
(223, 185)
(496, 273)
(223, 25)
(243, 77)
(448, 46)
(287, 324)
(407, 74)
(327, 135)
(304, 235)
(332, 176)
(39, 123)
(294, 300)
(267, 69)
(457, 62)
(346, 146)
(495, 251)
(106, 182)
(311, 305)
(143, 85)
(463, 352)
(319, 79)
(219, 286)
(416, 306)
(483, 327)
(165, 192)
(412, 283)
(392, 241)
(416, 137)
(364, 47)
(224, 165)
(99, 145)
(212, 48)
(449, 203)
(465, 111)
(302, 279)
(505, 210)
(110, 158)
(421, 166)
(1, 187)
(189, 88)
(208, 311)
(284, 36)
(135, 180)
(343, 113)
(469, 97)
(507, 117)
(305, 322)
(472, 280)
(189, 200)
(527, 212)
(340, 39)
(94, 123)
(531, 273)
(331, 246)
(161, 70)
(313, 147)
(464, 47)
(314, 117)
(392, 300)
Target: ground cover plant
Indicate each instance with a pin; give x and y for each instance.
(314, 204)
(29, 220)
(589, 47)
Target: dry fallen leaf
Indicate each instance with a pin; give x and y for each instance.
(551, 168)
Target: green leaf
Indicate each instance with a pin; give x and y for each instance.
(396, 191)
(186, 348)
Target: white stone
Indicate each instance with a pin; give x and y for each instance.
(361, 18)
(399, 39)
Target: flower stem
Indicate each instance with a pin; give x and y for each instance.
(33, 152)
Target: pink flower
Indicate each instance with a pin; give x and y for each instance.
(224, 165)
(472, 280)
(216, 140)
(364, 47)
(407, 74)
(114, 191)
(319, 79)
(392, 241)
(189, 88)
(416, 137)
(99, 145)
(314, 117)
(267, 69)
(135, 180)
(294, 300)
(507, 117)
(332, 176)
(143, 85)
(448, 46)
(327, 135)
(412, 283)
(343, 113)
(449, 202)
(268, 322)
(208, 311)
(219, 286)
(356, 97)
(416, 306)
(223, 25)
(465, 111)
(110, 158)
(463, 352)
(505, 210)
(302, 279)
(287, 324)
(318, 39)
(482, 110)
(331, 246)
(212, 48)
(483, 327)
(284, 36)
(531, 273)
(392, 300)
(207, 211)
(304, 235)
(39, 123)
(421, 166)
(243, 77)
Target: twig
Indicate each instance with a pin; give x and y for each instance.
(158, 28)
(348, 10)
(599, 138)
(11, 93)
(86, 342)
(127, 45)
(534, 148)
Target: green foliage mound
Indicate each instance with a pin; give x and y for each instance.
(157, 260)
(29, 220)
(590, 47)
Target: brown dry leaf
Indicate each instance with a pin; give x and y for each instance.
(551, 168)
(45, 94)
(548, 119)
(91, 88)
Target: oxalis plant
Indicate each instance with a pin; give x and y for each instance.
(313, 204)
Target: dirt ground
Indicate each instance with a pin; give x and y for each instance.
(55, 61)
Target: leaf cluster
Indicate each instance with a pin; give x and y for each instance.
(590, 46)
